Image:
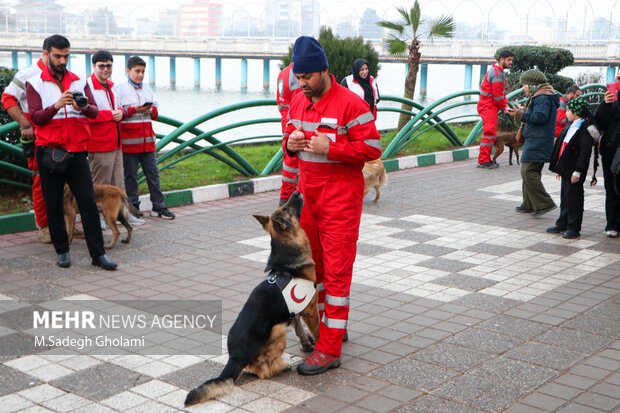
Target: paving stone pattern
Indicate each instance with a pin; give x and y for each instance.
(458, 304)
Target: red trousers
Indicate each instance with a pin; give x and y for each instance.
(488, 111)
(331, 219)
(38, 204)
(290, 170)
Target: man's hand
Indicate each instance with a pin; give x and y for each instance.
(296, 141)
(27, 132)
(574, 179)
(65, 99)
(318, 144)
(117, 115)
(509, 111)
(143, 109)
(78, 108)
(609, 97)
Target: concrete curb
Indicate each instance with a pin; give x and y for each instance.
(25, 222)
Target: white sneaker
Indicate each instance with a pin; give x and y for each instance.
(103, 225)
(135, 221)
(611, 233)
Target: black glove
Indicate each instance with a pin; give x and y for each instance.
(27, 147)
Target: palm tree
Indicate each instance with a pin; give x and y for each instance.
(397, 44)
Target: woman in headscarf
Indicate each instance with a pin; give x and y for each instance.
(542, 106)
(362, 84)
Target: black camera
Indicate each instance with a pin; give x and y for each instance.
(80, 99)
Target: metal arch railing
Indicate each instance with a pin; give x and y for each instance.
(424, 119)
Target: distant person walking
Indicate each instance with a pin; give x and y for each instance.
(542, 106)
(492, 100)
(363, 84)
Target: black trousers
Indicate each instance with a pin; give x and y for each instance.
(571, 204)
(612, 199)
(80, 181)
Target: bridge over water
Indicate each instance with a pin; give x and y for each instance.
(460, 52)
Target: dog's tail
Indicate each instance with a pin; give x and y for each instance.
(217, 387)
(383, 180)
(128, 205)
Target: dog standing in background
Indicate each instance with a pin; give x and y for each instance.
(510, 140)
(114, 205)
(374, 177)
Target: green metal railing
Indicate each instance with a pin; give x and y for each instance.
(196, 137)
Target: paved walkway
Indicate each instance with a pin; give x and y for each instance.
(459, 304)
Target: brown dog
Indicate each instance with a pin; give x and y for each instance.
(113, 202)
(257, 338)
(510, 140)
(374, 177)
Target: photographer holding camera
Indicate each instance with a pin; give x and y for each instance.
(62, 131)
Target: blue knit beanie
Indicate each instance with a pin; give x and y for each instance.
(308, 56)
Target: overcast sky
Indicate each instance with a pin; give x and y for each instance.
(513, 15)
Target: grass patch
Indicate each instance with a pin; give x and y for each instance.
(14, 199)
(202, 169)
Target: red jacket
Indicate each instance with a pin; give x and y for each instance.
(493, 87)
(347, 121)
(15, 92)
(105, 134)
(64, 127)
(561, 121)
(287, 88)
(137, 133)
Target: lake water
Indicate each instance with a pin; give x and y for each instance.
(184, 103)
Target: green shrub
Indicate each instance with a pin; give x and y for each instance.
(545, 59)
(341, 53)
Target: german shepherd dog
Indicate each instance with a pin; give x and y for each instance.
(374, 177)
(257, 338)
(113, 202)
(510, 140)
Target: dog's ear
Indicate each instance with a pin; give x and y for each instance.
(262, 219)
(283, 220)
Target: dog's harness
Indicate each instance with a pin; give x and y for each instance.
(297, 292)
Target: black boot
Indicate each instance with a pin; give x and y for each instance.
(104, 263)
(63, 260)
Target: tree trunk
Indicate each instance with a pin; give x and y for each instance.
(410, 81)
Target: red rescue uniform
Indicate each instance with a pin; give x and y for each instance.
(287, 88)
(15, 94)
(492, 100)
(561, 120)
(333, 190)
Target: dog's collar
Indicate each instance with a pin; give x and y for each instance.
(297, 292)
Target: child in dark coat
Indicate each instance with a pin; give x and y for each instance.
(570, 160)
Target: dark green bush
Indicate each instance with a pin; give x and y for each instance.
(546, 59)
(341, 53)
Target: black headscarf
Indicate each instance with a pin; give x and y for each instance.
(369, 95)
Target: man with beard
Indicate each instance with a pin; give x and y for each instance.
(59, 116)
(492, 100)
(332, 133)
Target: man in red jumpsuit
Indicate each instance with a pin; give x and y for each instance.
(14, 102)
(492, 99)
(332, 133)
(287, 88)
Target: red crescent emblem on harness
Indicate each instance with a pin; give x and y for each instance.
(297, 300)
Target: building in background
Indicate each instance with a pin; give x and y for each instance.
(310, 18)
(201, 18)
(40, 16)
(168, 23)
(368, 25)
